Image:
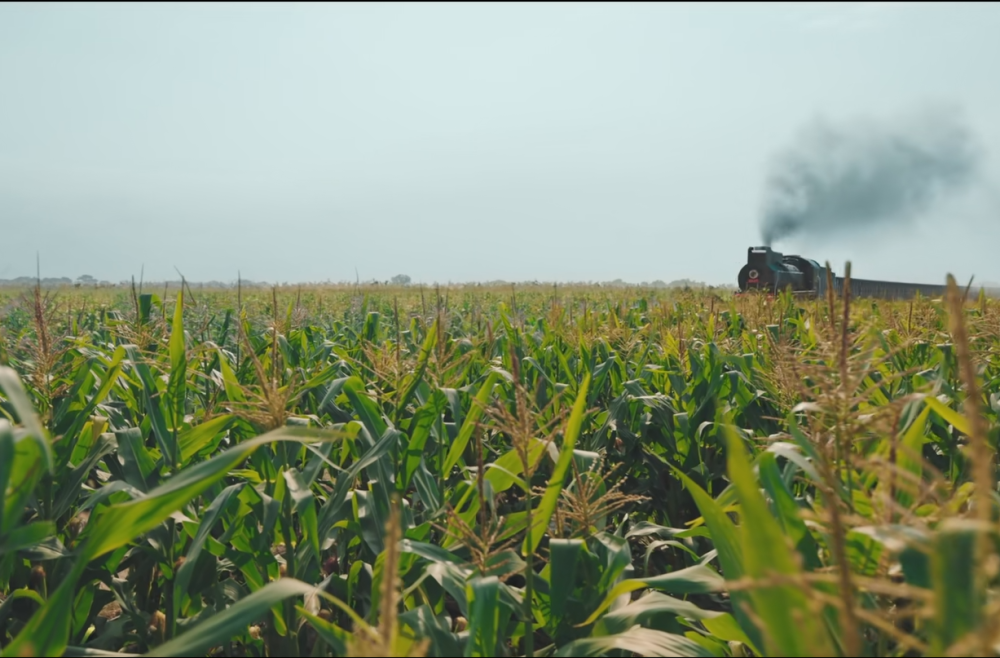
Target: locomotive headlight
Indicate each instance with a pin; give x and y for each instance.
(752, 274)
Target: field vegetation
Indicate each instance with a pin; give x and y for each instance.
(542, 471)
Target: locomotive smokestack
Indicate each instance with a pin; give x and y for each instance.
(837, 178)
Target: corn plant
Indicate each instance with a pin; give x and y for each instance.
(476, 471)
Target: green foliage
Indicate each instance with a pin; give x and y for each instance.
(485, 472)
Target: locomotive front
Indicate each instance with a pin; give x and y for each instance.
(769, 271)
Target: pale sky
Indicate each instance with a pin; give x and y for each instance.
(551, 142)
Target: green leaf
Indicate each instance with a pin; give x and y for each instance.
(145, 307)
(790, 623)
(366, 408)
(233, 391)
(436, 628)
(333, 635)
(564, 554)
(645, 610)
(48, 629)
(83, 416)
(69, 485)
(420, 429)
(428, 551)
(7, 454)
(723, 532)
(727, 543)
(469, 426)
(21, 473)
(10, 384)
(138, 464)
(503, 473)
(484, 607)
(220, 628)
(208, 521)
(541, 516)
(16, 595)
(345, 481)
(949, 415)
(787, 511)
(637, 640)
(428, 489)
(305, 507)
(164, 438)
(193, 439)
(178, 363)
(119, 524)
(699, 579)
(430, 340)
(910, 458)
(959, 597)
(27, 536)
(725, 627)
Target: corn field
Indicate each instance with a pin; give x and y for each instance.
(479, 471)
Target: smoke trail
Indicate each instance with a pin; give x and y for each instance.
(835, 179)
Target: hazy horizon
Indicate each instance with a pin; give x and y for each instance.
(549, 142)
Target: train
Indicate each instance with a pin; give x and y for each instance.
(772, 272)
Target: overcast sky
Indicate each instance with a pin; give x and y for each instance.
(469, 142)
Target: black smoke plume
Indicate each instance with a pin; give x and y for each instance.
(839, 178)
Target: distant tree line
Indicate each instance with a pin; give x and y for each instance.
(88, 281)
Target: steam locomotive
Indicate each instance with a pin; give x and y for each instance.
(770, 271)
